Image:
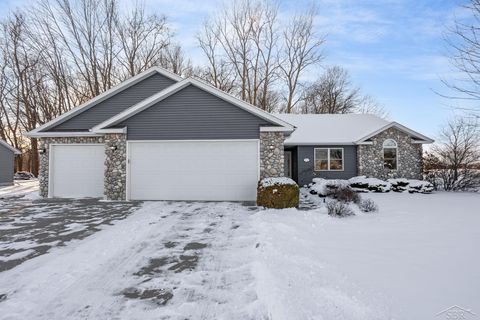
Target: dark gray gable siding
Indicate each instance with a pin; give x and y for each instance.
(6, 165)
(305, 169)
(115, 104)
(191, 114)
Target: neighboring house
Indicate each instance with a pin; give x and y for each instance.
(341, 146)
(157, 136)
(7, 163)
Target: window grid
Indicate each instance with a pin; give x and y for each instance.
(328, 159)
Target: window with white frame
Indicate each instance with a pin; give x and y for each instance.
(328, 159)
(390, 154)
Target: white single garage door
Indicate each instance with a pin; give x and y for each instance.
(193, 170)
(76, 171)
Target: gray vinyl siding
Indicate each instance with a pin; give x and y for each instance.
(115, 104)
(193, 114)
(6, 165)
(305, 169)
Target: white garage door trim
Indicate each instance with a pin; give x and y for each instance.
(51, 162)
(128, 149)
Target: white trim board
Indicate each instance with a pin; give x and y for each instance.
(62, 134)
(9, 147)
(145, 104)
(400, 127)
(103, 96)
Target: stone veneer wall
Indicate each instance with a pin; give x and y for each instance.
(115, 162)
(271, 154)
(115, 166)
(409, 155)
(44, 143)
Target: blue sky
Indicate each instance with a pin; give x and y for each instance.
(394, 49)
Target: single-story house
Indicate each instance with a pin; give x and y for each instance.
(342, 146)
(7, 163)
(157, 136)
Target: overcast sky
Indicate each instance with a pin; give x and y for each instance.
(394, 49)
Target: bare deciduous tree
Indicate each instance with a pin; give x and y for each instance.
(464, 42)
(301, 50)
(455, 157)
(143, 39)
(247, 48)
(333, 92)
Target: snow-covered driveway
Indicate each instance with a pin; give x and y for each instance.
(174, 260)
(166, 261)
(29, 228)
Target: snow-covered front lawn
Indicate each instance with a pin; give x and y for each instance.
(173, 260)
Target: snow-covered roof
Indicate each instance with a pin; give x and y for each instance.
(331, 129)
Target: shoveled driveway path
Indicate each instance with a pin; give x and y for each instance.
(166, 260)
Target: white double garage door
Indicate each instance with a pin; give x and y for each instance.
(161, 170)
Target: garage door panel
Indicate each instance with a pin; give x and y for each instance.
(200, 170)
(77, 171)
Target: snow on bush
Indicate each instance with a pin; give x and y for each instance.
(420, 186)
(270, 182)
(368, 205)
(399, 185)
(277, 193)
(364, 184)
(339, 209)
(324, 187)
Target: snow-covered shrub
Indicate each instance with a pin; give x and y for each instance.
(368, 205)
(23, 175)
(325, 187)
(277, 193)
(339, 209)
(346, 194)
(420, 186)
(399, 185)
(363, 184)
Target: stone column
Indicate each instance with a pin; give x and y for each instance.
(43, 170)
(115, 166)
(271, 154)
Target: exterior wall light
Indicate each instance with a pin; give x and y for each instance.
(113, 148)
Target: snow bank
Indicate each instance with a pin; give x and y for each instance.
(21, 188)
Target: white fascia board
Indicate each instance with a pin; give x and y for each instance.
(9, 147)
(112, 130)
(399, 127)
(275, 129)
(365, 143)
(107, 94)
(179, 86)
(318, 143)
(55, 134)
(422, 141)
